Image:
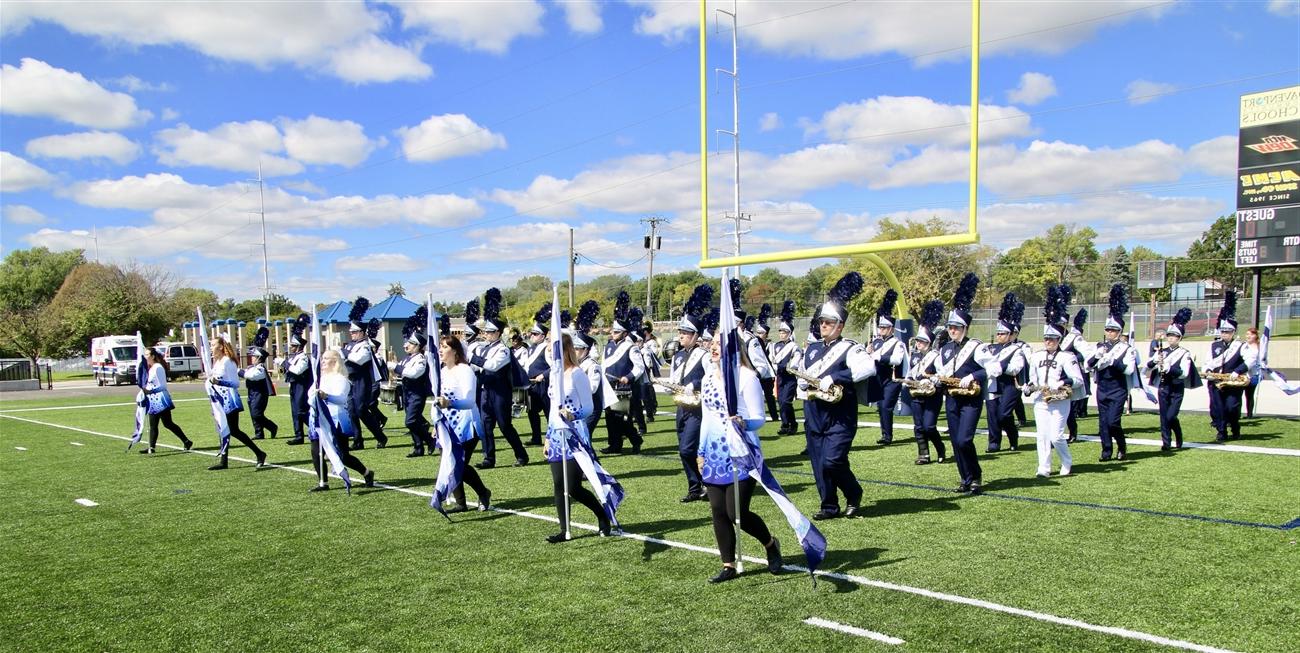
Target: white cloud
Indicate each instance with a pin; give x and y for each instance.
(769, 121)
(1168, 224)
(134, 84)
(17, 174)
(237, 146)
(447, 136)
(169, 114)
(319, 140)
(487, 25)
(39, 89)
(303, 186)
(919, 121)
(1216, 157)
(174, 201)
(85, 145)
(582, 16)
(379, 263)
(375, 60)
(1141, 91)
(1033, 89)
(1284, 7)
(123, 243)
(1057, 167)
(22, 214)
(335, 37)
(852, 30)
(784, 217)
(547, 240)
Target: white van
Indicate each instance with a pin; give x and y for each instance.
(113, 359)
(182, 359)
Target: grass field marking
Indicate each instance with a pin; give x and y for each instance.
(860, 580)
(853, 630)
(86, 502)
(76, 444)
(21, 448)
(1209, 446)
(132, 403)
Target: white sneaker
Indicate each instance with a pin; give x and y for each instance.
(1065, 471)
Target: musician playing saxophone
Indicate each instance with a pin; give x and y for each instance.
(1052, 370)
(1227, 357)
(1172, 371)
(1114, 362)
(688, 370)
(925, 407)
(964, 359)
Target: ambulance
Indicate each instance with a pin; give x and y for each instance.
(113, 359)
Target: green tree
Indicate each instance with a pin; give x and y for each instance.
(29, 281)
(396, 288)
(99, 300)
(183, 302)
(1213, 255)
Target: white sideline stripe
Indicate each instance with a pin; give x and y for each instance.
(86, 502)
(1235, 448)
(860, 580)
(21, 448)
(132, 403)
(853, 630)
(76, 444)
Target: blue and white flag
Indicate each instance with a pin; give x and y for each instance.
(320, 425)
(1137, 379)
(1278, 379)
(451, 468)
(214, 394)
(747, 454)
(141, 399)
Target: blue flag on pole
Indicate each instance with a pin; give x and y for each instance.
(320, 424)
(141, 399)
(451, 468)
(1278, 379)
(746, 453)
(214, 392)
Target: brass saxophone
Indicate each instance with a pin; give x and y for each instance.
(830, 396)
(953, 384)
(1227, 380)
(1048, 394)
(923, 387)
(683, 395)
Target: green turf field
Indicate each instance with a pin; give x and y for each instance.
(1191, 546)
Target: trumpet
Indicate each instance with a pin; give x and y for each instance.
(683, 395)
(953, 384)
(831, 395)
(923, 387)
(1048, 394)
(1227, 380)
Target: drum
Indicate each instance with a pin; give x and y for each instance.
(518, 402)
(623, 404)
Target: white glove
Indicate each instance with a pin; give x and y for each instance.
(826, 383)
(967, 381)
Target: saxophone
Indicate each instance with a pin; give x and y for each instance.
(953, 384)
(683, 395)
(922, 387)
(830, 396)
(1227, 380)
(1048, 394)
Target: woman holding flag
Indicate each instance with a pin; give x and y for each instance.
(572, 408)
(225, 375)
(461, 414)
(159, 402)
(336, 390)
(727, 496)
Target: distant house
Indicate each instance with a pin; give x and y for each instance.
(392, 312)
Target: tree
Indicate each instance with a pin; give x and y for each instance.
(29, 281)
(183, 302)
(98, 300)
(1064, 253)
(395, 288)
(1213, 255)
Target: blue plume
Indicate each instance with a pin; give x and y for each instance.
(1118, 301)
(566, 319)
(416, 322)
(587, 315)
(259, 340)
(965, 295)
(846, 288)
(1008, 309)
(1182, 317)
(1229, 310)
(359, 308)
(699, 300)
(931, 314)
(888, 303)
(620, 306)
(1054, 306)
(1081, 319)
(543, 315)
(372, 327)
(492, 303)
(787, 312)
(471, 311)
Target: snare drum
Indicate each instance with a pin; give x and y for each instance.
(518, 402)
(623, 404)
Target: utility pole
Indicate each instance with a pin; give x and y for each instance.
(96, 237)
(735, 214)
(266, 269)
(573, 258)
(652, 243)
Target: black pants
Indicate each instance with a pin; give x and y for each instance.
(619, 425)
(638, 410)
(1225, 411)
(1171, 401)
(232, 419)
(1110, 423)
(166, 418)
(471, 478)
(925, 415)
(298, 408)
(416, 423)
(257, 413)
(892, 390)
(722, 503)
(539, 409)
(341, 443)
(769, 393)
(496, 412)
(688, 447)
(963, 418)
(649, 401)
(1019, 409)
(576, 492)
(1249, 397)
(1001, 419)
(785, 400)
(1078, 408)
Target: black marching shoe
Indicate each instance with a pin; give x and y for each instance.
(520, 462)
(556, 538)
(261, 461)
(825, 514)
(297, 439)
(146, 450)
(725, 575)
(415, 453)
(603, 528)
(381, 441)
(1104, 459)
(851, 511)
(1121, 455)
(692, 496)
(775, 563)
(221, 464)
(320, 488)
(1164, 447)
(370, 477)
(358, 444)
(884, 441)
(636, 448)
(189, 444)
(611, 450)
(963, 488)
(485, 501)
(993, 449)
(534, 442)
(460, 507)
(259, 436)
(924, 460)
(485, 464)
(976, 488)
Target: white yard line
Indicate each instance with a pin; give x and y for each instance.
(130, 403)
(21, 448)
(86, 502)
(76, 444)
(853, 630)
(860, 580)
(1234, 448)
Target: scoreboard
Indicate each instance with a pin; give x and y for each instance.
(1268, 179)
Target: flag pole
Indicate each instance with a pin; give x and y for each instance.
(314, 361)
(558, 384)
(725, 377)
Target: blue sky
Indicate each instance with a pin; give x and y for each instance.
(451, 145)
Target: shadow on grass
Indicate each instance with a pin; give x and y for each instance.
(661, 530)
(1018, 482)
(649, 472)
(853, 561)
(407, 482)
(907, 506)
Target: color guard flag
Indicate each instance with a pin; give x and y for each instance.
(214, 395)
(1280, 381)
(451, 467)
(320, 424)
(141, 399)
